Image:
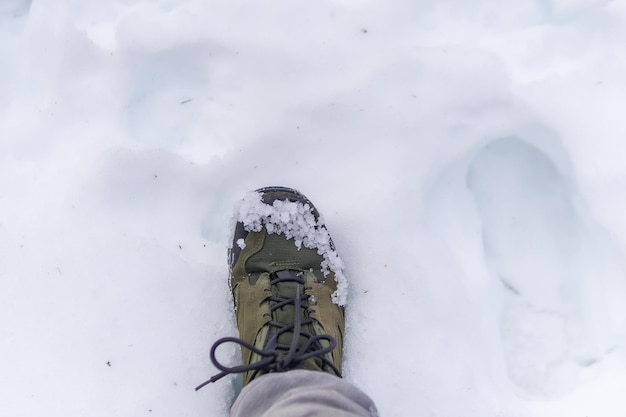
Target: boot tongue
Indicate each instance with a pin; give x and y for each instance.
(286, 289)
(285, 314)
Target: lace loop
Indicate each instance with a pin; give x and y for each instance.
(277, 357)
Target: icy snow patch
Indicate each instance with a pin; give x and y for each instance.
(241, 243)
(296, 221)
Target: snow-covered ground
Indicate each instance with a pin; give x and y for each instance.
(468, 158)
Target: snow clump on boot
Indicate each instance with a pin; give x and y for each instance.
(296, 221)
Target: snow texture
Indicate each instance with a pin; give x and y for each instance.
(296, 222)
(469, 158)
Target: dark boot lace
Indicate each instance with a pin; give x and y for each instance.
(276, 357)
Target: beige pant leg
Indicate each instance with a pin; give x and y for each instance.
(301, 393)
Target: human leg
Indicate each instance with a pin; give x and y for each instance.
(301, 393)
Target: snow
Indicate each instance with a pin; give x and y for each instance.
(467, 158)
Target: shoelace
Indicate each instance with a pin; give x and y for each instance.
(280, 357)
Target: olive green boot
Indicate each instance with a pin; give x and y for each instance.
(288, 288)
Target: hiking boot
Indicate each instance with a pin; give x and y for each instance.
(284, 275)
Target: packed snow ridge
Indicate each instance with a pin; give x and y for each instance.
(296, 221)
